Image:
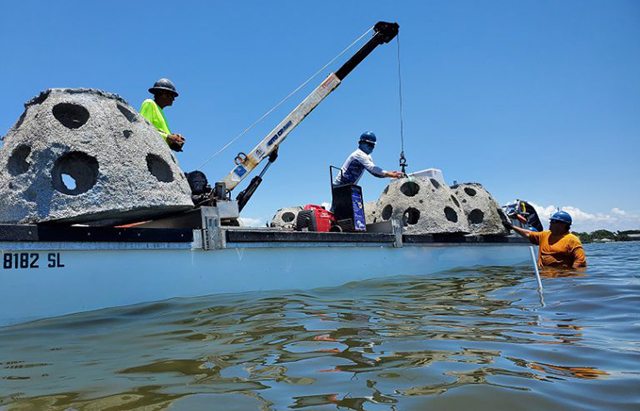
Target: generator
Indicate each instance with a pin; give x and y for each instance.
(315, 218)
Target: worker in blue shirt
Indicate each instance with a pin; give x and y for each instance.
(360, 160)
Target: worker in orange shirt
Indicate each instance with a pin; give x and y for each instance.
(557, 246)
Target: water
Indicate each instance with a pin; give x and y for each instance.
(460, 340)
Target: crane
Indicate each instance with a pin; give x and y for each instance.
(384, 32)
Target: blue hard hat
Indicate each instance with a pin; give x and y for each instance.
(562, 216)
(368, 137)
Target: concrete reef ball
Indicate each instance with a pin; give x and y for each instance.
(484, 215)
(86, 156)
(285, 218)
(423, 205)
(370, 212)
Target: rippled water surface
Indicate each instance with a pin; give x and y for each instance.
(460, 340)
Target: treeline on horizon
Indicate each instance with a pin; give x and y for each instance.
(600, 235)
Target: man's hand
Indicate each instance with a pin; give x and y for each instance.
(395, 174)
(523, 232)
(175, 141)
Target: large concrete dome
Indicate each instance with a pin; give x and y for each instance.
(84, 155)
(423, 205)
(484, 215)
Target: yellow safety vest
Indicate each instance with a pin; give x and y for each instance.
(152, 112)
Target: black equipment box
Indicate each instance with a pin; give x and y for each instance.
(348, 207)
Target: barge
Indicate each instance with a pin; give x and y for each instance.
(50, 271)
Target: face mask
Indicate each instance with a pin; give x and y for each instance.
(367, 148)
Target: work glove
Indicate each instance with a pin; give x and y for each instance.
(175, 141)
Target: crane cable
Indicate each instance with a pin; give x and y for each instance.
(403, 160)
(284, 99)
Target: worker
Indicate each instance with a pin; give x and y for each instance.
(164, 92)
(360, 160)
(557, 246)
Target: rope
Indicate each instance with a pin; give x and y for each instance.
(403, 160)
(283, 100)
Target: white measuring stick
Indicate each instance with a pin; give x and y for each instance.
(535, 267)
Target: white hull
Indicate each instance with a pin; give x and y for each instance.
(102, 275)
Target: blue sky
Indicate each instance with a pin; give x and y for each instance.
(534, 99)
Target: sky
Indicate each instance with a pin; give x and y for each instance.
(536, 100)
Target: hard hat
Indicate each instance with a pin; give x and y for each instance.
(562, 216)
(368, 137)
(164, 84)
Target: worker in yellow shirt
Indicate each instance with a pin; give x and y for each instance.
(557, 246)
(164, 92)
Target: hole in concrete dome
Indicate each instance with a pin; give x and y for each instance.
(476, 216)
(127, 113)
(470, 191)
(159, 168)
(387, 211)
(410, 188)
(455, 201)
(386, 190)
(451, 214)
(17, 163)
(410, 216)
(288, 217)
(127, 133)
(71, 115)
(435, 183)
(75, 173)
(69, 182)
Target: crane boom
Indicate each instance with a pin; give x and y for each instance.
(245, 163)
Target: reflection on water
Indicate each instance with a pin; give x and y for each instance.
(464, 337)
(589, 373)
(561, 272)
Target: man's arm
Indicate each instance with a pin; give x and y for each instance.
(394, 174)
(579, 258)
(523, 232)
(377, 171)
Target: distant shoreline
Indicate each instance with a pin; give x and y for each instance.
(605, 236)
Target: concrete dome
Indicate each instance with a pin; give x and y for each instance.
(84, 155)
(423, 205)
